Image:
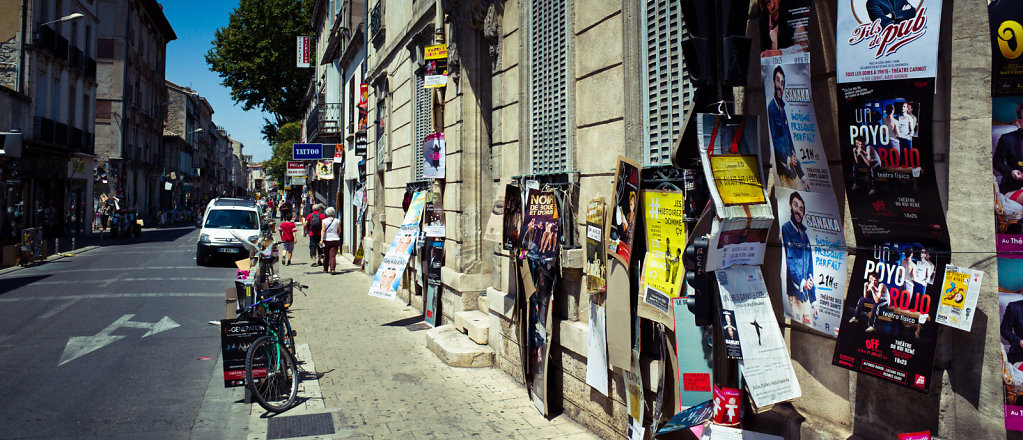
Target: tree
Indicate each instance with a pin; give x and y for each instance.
(255, 56)
(276, 167)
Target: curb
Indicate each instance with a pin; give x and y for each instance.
(53, 257)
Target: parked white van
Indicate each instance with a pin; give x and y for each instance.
(223, 219)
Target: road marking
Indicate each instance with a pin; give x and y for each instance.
(59, 308)
(78, 346)
(112, 280)
(47, 268)
(115, 295)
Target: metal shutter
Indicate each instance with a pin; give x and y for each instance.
(548, 113)
(423, 119)
(666, 81)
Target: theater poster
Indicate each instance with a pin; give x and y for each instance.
(665, 241)
(887, 39)
(1006, 20)
(625, 210)
(539, 333)
(814, 264)
(888, 156)
(596, 258)
(540, 226)
(784, 26)
(1010, 312)
(1007, 169)
(888, 328)
(512, 216)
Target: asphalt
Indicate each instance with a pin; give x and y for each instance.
(75, 353)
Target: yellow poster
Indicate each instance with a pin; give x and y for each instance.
(737, 179)
(666, 239)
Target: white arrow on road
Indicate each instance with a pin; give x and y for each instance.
(78, 346)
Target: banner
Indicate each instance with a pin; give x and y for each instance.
(296, 169)
(887, 40)
(622, 230)
(302, 49)
(960, 289)
(388, 277)
(433, 156)
(888, 329)
(363, 107)
(325, 170)
(540, 226)
(596, 258)
(1006, 20)
(436, 57)
(766, 366)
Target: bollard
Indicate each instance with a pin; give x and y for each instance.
(74, 246)
(56, 246)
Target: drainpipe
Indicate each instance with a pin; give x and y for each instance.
(438, 93)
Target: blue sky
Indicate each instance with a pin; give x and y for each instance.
(195, 23)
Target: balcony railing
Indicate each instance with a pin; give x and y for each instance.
(376, 22)
(324, 120)
(62, 136)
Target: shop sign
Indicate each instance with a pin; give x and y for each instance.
(307, 151)
(296, 168)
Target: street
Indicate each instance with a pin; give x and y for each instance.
(113, 343)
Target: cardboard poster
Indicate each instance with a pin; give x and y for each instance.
(496, 221)
(625, 210)
(434, 226)
(619, 315)
(512, 217)
(960, 289)
(799, 159)
(1010, 312)
(596, 258)
(814, 264)
(388, 277)
(1006, 20)
(887, 40)
(596, 353)
(888, 155)
(434, 156)
(540, 235)
(665, 240)
(325, 170)
(1007, 164)
(360, 254)
(634, 400)
(888, 327)
(434, 263)
(540, 334)
(784, 26)
(694, 354)
(688, 418)
(766, 366)
(236, 335)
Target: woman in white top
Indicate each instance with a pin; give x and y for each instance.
(330, 239)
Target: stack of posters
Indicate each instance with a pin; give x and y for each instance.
(388, 277)
(887, 61)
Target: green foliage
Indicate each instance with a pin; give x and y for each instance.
(255, 56)
(276, 166)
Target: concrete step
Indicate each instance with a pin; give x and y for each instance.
(456, 349)
(474, 323)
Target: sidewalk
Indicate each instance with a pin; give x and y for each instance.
(380, 379)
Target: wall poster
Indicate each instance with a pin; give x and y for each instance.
(666, 238)
(434, 263)
(512, 216)
(540, 226)
(539, 334)
(887, 40)
(596, 258)
(434, 156)
(624, 211)
(388, 277)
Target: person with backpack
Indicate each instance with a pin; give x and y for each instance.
(313, 228)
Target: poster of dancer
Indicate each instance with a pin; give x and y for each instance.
(434, 156)
(540, 226)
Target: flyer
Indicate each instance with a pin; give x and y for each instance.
(665, 240)
(887, 328)
(688, 418)
(959, 292)
(596, 258)
(814, 266)
(1010, 312)
(622, 230)
(888, 156)
(784, 26)
(654, 304)
(512, 216)
(434, 226)
(388, 276)
(596, 353)
(1006, 20)
(540, 226)
(799, 159)
(887, 40)
(1007, 167)
(766, 366)
(433, 156)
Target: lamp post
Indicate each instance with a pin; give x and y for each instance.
(69, 17)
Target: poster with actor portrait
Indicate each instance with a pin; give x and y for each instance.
(888, 328)
(539, 226)
(1006, 20)
(512, 216)
(886, 144)
(784, 26)
(625, 210)
(887, 39)
(388, 276)
(813, 266)
(1010, 310)
(1007, 164)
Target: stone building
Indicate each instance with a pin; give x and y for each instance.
(555, 90)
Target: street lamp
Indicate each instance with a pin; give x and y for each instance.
(64, 18)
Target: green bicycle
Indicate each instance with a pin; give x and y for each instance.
(271, 371)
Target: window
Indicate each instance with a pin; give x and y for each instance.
(548, 72)
(41, 87)
(423, 120)
(665, 79)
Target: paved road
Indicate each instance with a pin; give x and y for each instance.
(111, 343)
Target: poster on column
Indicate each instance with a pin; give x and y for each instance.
(434, 263)
(665, 240)
(1010, 312)
(1007, 164)
(784, 26)
(887, 39)
(540, 226)
(799, 159)
(888, 328)
(959, 292)
(1006, 20)
(814, 264)
(539, 334)
(388, 277)
(766, 365)
(434, 156)
(596, 258)
(624, 211)
(887, 151)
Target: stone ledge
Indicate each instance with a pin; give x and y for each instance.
(500, 303)
(456, 350)
(474, 324)
(465, 282)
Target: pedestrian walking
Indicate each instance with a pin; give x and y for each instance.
(288, 230)
(314, 228)
(331, 240)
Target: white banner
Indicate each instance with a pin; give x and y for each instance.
(303, 47)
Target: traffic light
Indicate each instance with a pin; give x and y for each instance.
(699, 280)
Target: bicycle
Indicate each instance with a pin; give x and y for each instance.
(270, 358)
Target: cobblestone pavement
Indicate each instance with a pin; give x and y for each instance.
(380, 381)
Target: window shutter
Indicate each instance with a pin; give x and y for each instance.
(423, 124)
(666, 81)
(548, 118)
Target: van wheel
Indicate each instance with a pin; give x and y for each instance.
(200, 259)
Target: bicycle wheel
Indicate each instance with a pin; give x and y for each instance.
(289, 336)
(277, 387)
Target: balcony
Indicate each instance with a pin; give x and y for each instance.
(323, 121)
(63, 137)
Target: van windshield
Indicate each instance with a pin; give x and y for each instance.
(232, 219)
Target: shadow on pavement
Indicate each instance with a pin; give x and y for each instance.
(148, 236)
(404, 322)
(8, 285)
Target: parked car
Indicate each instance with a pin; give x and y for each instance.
(224, 221)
